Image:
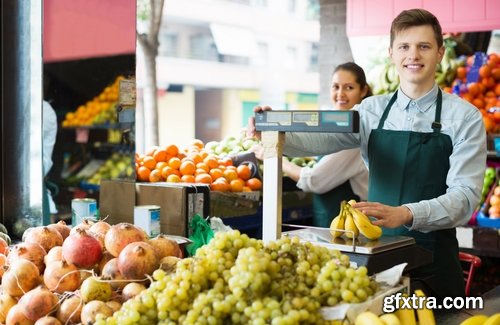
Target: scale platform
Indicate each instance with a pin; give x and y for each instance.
(308, 121)
(323, 237)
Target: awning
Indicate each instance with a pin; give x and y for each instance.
(234, 41)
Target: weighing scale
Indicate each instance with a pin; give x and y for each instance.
(377, 255)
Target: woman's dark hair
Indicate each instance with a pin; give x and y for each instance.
(358, 72)
(416, 17)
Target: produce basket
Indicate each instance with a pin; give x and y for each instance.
(485, 221)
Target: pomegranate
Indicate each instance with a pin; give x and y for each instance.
(110, 272)
(6, 303)
(15, 316)
(3, 262)
(61, 227)
(120, 235)
(82, 249)
(45, 237)
(99, 230)
(137, 260)
(85, 225)
(30, 251)
(37, 303)
(4, 247)
(92, 308)
(60, 276)
(55, 254)
(131, 290)
(21, 277)
(165, 246)
(106, 257)
(48, 320)
(70, 310)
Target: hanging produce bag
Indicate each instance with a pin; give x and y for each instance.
(201, 234)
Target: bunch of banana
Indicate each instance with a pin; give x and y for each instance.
(482, 320)
(399, 317)
(351, 222)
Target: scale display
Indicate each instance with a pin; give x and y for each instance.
(308, 121)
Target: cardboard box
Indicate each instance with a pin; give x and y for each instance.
(227, 204)
(178, 202)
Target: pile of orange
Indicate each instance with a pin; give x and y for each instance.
(485, 93)
(85, 114)
(194, 164)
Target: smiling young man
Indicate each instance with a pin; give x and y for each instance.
(425, 151)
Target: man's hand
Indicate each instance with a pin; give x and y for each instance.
(387, 216)
(251, 131)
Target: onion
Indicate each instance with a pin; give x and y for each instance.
(60, 276)
(85, 225)
(15, 316)
(120, 235)
(82, 249)
(99, 230)
(30, 251)
(6, 303)
(165, 246)
(48, 320)
(131, 290)
(21, 277)
(70, 310)
(37, 303)
(55, 254)
(61, 228)
(114, 305)
(110, 272)
(137, 260)
(92, 309)
(45, 237)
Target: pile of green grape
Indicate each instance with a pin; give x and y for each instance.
(238, 280)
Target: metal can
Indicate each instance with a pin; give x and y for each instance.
(83, 209)
(147, 217)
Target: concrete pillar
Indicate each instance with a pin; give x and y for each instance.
(334, 47)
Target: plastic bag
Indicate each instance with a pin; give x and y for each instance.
(218, 226)
(201, 234)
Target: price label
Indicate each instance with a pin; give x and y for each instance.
(82, 135)
(127, 93)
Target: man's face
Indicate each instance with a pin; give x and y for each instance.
(415, 53)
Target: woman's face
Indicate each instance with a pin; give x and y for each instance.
(345, 91)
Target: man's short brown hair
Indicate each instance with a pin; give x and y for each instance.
(416, 17)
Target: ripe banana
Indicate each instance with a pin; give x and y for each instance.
(475, 320)
(368, 318)
(390, 319)
(406, 316)
(493, 319)
(363, 223)
(351, 230)
(425, 315)
(338, 222)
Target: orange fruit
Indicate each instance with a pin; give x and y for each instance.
(199, 171)
(461, 72)
(211, 161)
(496, 116)
(219, 186)
(484, 71)
(160, 165)
(174, 162)
(488, 82)
(244, 172)
(237, 185)
(173, 178)
(478, 102)
(160, 155)
(195, 157)
(497, 89)
(230, 174)
(198, 143)
(149, 162)
(187, 179)
(489, 123)
(202, 165)
(187, 167)
(143, 174)
(246, 189)
(473, 89)
(155, 176)
(166, 171)
(495, 73)
(254, 183)
(215, 173)
(203, 178)
(151, 151)
(172, 150)
(226, 161)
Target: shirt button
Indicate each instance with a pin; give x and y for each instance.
(412, 104)
(409, 118)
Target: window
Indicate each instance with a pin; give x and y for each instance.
(291, 57)
(262, 57)
(168, 44)
(202, 47)
(312, 12)
(313, 59)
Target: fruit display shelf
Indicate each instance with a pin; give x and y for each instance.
(485, 221)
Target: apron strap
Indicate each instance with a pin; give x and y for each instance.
(386, 110)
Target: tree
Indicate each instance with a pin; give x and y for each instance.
(149, 16)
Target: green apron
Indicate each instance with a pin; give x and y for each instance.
(405, 167)
(326, 206)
